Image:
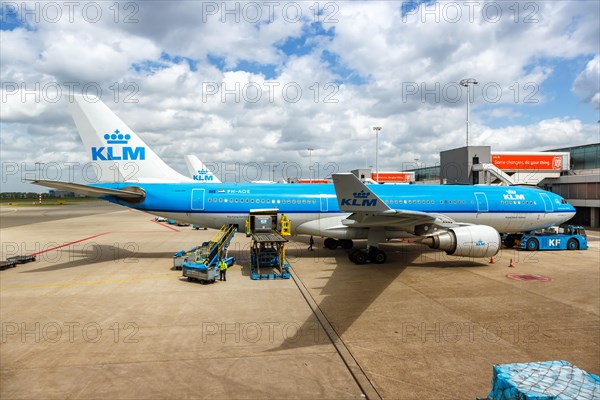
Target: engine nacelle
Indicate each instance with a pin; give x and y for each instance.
(467, 241)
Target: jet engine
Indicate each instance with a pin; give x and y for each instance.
(467, 241)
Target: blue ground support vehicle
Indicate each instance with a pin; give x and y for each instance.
(267, 252)
(202, 262)
(183, 256)
(568, 237)
(268, 257)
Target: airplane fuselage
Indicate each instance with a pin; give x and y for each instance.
(313, 209)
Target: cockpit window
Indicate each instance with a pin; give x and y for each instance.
(564, 201)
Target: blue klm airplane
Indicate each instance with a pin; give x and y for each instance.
(461, 220)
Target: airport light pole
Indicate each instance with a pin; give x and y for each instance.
(466, 83)
(310, 150)
(377, 129)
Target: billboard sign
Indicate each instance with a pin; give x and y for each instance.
(531, 161)
(394, 177)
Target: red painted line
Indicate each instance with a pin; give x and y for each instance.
(68, 244)
(529, 277)
(166, 226)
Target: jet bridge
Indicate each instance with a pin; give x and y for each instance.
(479, 165)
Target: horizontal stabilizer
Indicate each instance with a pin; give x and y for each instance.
(92, 191)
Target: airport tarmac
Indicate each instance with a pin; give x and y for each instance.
(101, 313)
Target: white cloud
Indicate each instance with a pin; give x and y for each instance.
(179, 113)
(544, 135)
(97, 55)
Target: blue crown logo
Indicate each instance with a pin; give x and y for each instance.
(202, 172)
(117, 138)
(361, 195)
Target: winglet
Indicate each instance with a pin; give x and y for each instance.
(354, 196)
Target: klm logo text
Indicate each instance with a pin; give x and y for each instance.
(202, 176)
(360, 199)
(125, 153)
(113, 153)
(512, 195)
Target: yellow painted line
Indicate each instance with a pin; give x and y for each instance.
(89, 283)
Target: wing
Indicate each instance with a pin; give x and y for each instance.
(131, 194)
(369, 211)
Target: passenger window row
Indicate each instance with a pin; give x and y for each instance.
(260, 201)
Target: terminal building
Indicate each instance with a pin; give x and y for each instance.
(571, 172)
(580, 185)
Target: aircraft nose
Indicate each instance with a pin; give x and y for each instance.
(568, 206)
(570, 210)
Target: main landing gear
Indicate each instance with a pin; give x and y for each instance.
(362, 256)
(372, 254)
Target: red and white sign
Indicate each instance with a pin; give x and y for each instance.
(528, 161)
(314, 181)
(394, 177)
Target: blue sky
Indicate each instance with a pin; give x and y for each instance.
(559, 91)
(553, 98)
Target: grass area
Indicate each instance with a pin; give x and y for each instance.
(45, 202)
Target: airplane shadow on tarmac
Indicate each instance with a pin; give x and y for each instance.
(94, 254)
(350, 289)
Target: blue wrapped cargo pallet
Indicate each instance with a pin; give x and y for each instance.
(548, 380)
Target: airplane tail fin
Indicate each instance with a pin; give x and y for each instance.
(355, 196)
(120, 154)
(199, 171)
